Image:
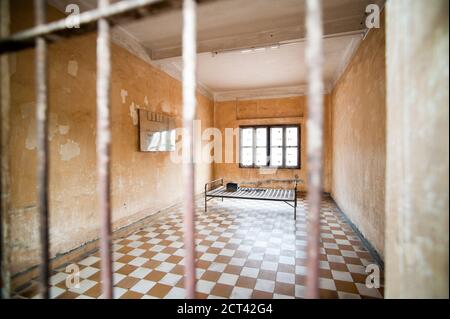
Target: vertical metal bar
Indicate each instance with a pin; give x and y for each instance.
(295, 201)
(314, 124)
(206, 198)
(103, 149)
(5, 260)
(42, 146)
(189, 109)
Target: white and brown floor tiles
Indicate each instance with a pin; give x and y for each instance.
(246, 249)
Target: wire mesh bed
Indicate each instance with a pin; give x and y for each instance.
(216, 189)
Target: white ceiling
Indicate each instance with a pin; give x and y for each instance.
(225, 24)
(267, 67)
(228, 27)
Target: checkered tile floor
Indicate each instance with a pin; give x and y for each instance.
(246, 249)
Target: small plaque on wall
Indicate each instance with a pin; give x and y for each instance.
(156, 132)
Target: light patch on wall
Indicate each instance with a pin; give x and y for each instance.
(133, 113)
(120, 184)
(12, 64)
(53, 126)
(165, 107)
(124, 94)
(69, 150)
(267, 171)
(30, 141)
(146, 100)
(63, 129)
(72, 68)
(26, 111)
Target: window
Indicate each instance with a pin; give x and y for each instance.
(270, 146)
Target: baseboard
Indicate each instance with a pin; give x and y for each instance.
(366, 243)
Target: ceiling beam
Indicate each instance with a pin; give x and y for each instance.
(265, 93)
(263, 38)
(258, 39)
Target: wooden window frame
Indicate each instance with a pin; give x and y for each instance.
(269, 146)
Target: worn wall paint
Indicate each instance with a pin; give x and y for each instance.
(69, 150)
(359, 138)
(292, 110)
(63, 129)
(142, 183)
(134, 113)
(124, 94)
(72, 68)
(417, 208)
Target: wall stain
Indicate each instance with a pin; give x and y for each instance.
(72, 68)
(69, 150)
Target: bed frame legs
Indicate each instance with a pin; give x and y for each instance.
(295, 210)
(295, 201)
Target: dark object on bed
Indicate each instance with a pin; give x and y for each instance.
(232, 187)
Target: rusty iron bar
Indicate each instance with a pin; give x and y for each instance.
(189, 110)
(314, 61)
(25, 39)
(42, 146)
(103, 148)
(5, 242)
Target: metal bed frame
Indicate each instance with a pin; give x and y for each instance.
(216, 189)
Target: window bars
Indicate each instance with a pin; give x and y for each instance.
(42, 33)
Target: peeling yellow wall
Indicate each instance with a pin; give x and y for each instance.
(142, 183)
(359, 139)
(290, 110)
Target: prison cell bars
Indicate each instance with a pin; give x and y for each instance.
(5, 259)
(42, 146)
(103, 149)
(189, 110)
(105, 10)
(25, 39)
(314, 126)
